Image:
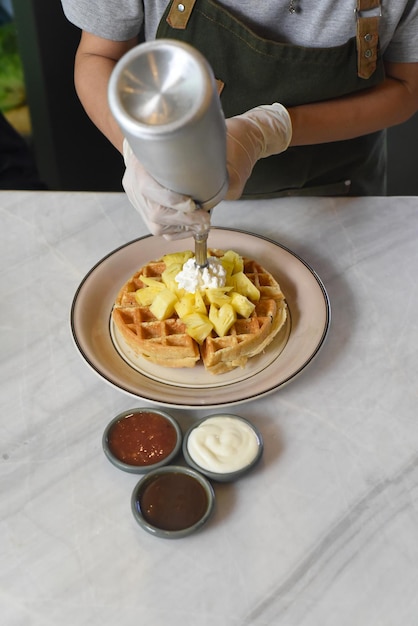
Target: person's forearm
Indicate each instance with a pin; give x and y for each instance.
(91, 86)
(368, 111)
(91, 75)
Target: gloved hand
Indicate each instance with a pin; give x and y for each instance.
(256, 134)
(165, 212)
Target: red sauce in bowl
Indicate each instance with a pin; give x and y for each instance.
(142, 438)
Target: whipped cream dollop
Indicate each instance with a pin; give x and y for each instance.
(192, 277)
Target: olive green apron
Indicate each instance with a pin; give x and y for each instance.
(253, 70)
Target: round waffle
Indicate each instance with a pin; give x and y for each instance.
(167, 342)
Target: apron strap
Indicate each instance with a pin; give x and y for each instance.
(367, 37)
(180, 12)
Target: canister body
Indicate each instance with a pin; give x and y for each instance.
(163, 95)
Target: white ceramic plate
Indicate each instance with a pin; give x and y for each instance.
(289, 353)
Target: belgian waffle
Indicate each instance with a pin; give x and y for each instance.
(167, 343)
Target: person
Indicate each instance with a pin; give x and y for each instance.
(308, 90)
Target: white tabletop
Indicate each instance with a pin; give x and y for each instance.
(323, 532)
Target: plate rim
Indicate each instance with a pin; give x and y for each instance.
(271, 388)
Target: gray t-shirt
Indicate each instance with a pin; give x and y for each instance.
(324, 23)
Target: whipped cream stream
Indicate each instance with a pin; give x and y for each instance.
(193, 277)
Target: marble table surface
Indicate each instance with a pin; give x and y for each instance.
(323, 532)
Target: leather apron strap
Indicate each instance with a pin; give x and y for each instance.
(367, 36)
(179, 13)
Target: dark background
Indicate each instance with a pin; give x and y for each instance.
(71, 154)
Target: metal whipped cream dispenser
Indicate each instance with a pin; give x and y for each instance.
(163, 95)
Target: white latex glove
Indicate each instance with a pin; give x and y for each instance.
(256, 134)
(165, 212)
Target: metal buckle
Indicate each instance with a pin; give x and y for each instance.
(375, 12)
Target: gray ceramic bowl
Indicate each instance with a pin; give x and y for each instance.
(219, 472)
(172, 502)
(141, 440)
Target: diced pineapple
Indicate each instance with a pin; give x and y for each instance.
(245, 287)
(169, 276)
(232, 262)
(199, 303)
(185, 305)
(163, 305)
(198, 326)
(222, 318)
(180, 258)
(190, 303)
(218, 295)
(151, 282)
(228, 265)
(241, 304)
(146, 296)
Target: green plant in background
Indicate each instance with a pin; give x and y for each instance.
(12, 86)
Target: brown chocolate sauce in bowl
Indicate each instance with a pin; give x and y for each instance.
(172, 501)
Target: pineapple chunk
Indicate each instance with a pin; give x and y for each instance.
(198, 326)
(151, 282)
(185, 305)
(218, 295)
(228, 265)
(146, 296)
(232, 262)
(169, 276)
(177, 258)
(222, 318)
(190, 303)
(163, 305)
(241, 304)
(199, 303)
(245, 287)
